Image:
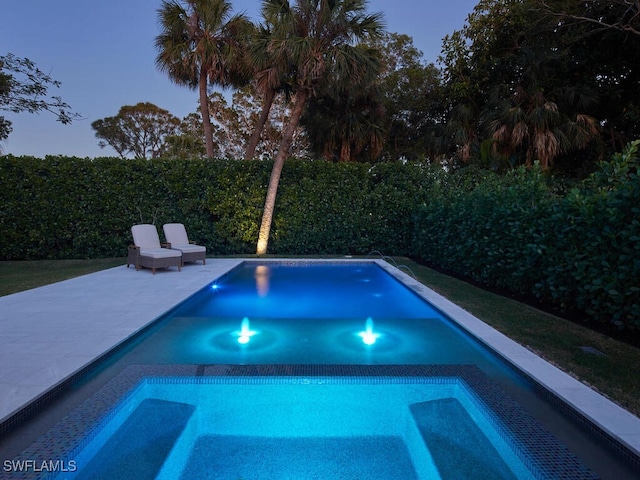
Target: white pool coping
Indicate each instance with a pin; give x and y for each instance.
(49, 333)
(610, 417)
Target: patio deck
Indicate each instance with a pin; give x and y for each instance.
(48, 333)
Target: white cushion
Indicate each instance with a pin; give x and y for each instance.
(145, 236)
(175, 233)
(189, 248)
(159, 252)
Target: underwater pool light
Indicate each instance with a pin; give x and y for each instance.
(245, 333)
(368, 336)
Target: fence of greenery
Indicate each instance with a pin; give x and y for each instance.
(57, 207)
(577, 247)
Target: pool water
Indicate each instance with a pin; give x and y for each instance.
(330, 291)
(311, 314)
(292, 319)
(284, 428)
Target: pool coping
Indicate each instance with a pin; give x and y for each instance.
(46, 338)
(608, 416)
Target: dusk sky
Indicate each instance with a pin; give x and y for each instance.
(103, 53)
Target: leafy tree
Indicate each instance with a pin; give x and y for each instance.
(346, 124)
(248, 108)
(540, 123)
(412, 99)
(603, 36)
(459, 136)
(315, 37)
(229, 131)
(188, 141)
(141, 130)
(525, 88)
(5, 88)
(25, 88)
(232, 125)
(202, 42)
(620, 15)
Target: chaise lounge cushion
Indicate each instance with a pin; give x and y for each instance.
(145, 236)
(176, 236)
(148, 252)
(159, 252)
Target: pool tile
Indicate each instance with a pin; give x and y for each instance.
(543, 454)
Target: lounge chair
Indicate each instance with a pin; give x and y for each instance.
(147, 251)
(177, 239)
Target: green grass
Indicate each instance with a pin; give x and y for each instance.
(616, 374)
(16, 276)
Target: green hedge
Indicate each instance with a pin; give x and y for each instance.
(578, 250)
(60, 207)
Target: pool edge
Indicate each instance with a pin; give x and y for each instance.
(611, 418)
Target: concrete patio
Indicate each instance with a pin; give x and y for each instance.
(48, 333)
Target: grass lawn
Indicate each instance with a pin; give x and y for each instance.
(616, 374)
(24, 275)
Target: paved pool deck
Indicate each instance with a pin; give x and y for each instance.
(49, 333)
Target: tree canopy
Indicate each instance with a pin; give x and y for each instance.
(142, 130)
(553, 82)
(25, 88)
(528, 82)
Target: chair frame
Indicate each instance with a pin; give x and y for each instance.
(138, 261)
(136, 258)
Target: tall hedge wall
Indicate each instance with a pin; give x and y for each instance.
(60, 207)
(575, 247)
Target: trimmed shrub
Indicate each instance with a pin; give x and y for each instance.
(578, 251)
(60, 207)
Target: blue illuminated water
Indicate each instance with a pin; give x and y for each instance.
(308, 313)
(308, 291)
(240, 428)
(312, 314)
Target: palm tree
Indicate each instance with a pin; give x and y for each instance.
(202, 42)
(314, 37)
(534, 126)
(270, 78)
(540, 121)
(346, 124)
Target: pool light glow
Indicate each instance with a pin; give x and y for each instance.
(368, 336)
(245, 333)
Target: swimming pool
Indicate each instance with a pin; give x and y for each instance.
(311, 313)
(432, 424)
(291, 325)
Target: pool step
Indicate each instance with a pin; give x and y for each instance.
(139, 447)
(273, 458)
(459, 448)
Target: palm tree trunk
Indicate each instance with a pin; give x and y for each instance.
(204, 111)
(274, 181)
(264, 115)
